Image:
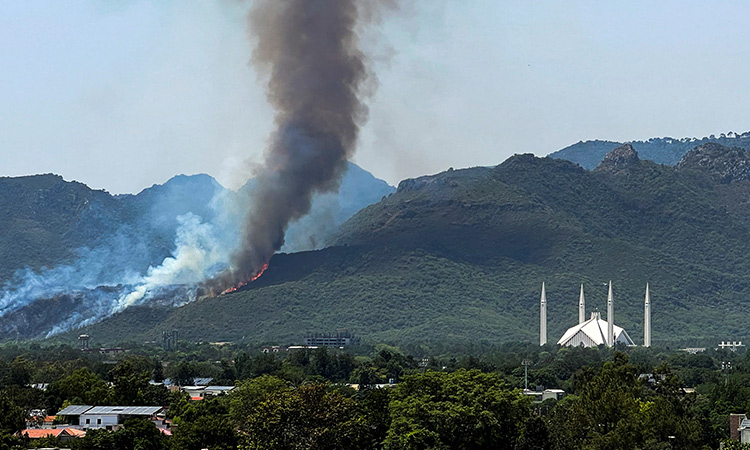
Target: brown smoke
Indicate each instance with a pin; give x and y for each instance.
(316, 72)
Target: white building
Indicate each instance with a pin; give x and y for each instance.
(593, 333)
(199, 392)
(108, 417)
(540, 396)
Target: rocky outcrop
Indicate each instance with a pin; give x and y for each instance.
(618, 160)
(722, 163)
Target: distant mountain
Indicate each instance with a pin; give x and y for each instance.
(76, 250)
(180, 195)
(669, 151)
(456, 260)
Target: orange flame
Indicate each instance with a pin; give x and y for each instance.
(245, 283)
(263, 269)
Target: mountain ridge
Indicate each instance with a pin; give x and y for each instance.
(664, 150)
(456, 260)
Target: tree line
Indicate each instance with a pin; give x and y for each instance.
(628, 399)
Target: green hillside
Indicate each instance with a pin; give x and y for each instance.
(44, 219)
(456, 260)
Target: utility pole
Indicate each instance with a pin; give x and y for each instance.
(726, 366)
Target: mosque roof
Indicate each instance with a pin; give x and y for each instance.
(593, 332)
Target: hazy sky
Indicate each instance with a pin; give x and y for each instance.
(121, 95)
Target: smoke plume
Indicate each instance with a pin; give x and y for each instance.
(308, 49)
(316, 80)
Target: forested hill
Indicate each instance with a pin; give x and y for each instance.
(669, 151)
(67, 252)
(457, 259)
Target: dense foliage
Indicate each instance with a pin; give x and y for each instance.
(630, 399)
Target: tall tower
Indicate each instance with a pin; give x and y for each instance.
(610, 317)
(581, 307)
(647, 320)
(543, 318)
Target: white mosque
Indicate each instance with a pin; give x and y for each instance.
(594, 331)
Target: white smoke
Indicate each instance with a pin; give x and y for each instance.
(106, 280)
(198, 255)
(91, 268)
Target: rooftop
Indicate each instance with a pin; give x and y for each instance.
(75, 410)
(595, 330)
(38, 433)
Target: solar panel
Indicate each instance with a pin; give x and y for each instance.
(125, 410)
(74, 410)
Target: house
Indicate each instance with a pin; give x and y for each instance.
(217, 390)
(197, 381)
(199, 392)
(539, 396)
(40, 421)
(739, 428)
(108, 417)
(64, 434)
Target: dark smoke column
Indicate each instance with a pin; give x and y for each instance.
(308, 49)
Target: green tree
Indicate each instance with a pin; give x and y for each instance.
(228, 373)
(130, 382)
(261, 364)
(155, 395)
(462, 410)
(615, 411)
(366, 377)
(81, 387)
(21, 371)
(97, 440)
(376, 407)
(247, 395)
(204, 424)
(12, 417)
(207, 431)
(310, 417)
(184, 373)
(136, 434)
(157, 371)
(140, 434)
(606, 414)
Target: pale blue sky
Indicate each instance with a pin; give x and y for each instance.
(121, 95)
